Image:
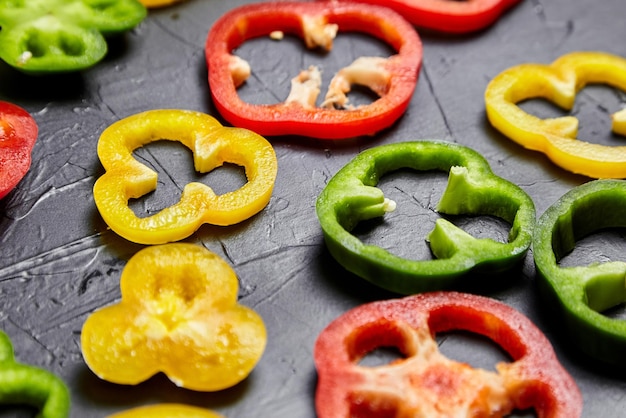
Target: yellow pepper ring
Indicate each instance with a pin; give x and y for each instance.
(178, 315)
(158, 3)
(166, 411)
(212, 145)
(556, 137)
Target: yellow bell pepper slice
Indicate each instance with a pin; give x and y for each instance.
(212, 145)
(158, 3)
(166, 411)
(559, 83)
(178, 315)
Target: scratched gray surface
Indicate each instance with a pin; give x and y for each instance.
(59, 261)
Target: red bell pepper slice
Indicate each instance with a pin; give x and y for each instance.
(450, 16)
(393, 79)
(425, 382)
(18, 133)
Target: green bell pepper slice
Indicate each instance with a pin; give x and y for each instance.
(25, 384)
(351, 196)
(580, 294)
(51, 36)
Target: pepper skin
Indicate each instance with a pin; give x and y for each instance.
(178, 315)
(580, 294)
(448, 15)
(212, 145)
(351, 196)
(556, 137)
(425, 383)
(393, 79)
(18, 134)
(52, 36)
(24, 384)
(166, 411)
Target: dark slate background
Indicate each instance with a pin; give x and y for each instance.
(59, 262)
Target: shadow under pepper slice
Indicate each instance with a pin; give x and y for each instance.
(393, 79)
(351, 196)
(559, 83)
(25, 384)
(450, 16)
(212, 145)
(18, 134)
(425, 383)
(580, 294)
(178, 315)
(51, 36)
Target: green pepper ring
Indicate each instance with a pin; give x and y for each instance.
(351, 196)
(56, 36)
(581, 293)
(88, 44)
(30, 385)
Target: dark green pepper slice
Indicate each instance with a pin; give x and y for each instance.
(49, 36)
(582, 293)
(24, 384)
(351, 196)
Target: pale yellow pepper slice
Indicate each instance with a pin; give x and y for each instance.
(559, 83)
(166, 411)
(178, 315)
(212, 145)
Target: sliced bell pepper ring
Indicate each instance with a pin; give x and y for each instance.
(425, 383)
(351, 196)
(166, 411)
(580, 294)
(158, 3)
(50, 36)
(178, 315)
(451, 16)
(393, 79)
(29, 385)
(18, 134)
(559, 82)
(212, 145)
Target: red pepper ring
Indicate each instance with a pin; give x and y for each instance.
(448, 15)
(308, 20)
(426, 383)
(18, 134)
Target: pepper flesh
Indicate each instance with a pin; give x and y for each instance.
(423, 382)
(25, 384)
(559, 82)
(212, 145)
(179, 315)
(580, 294)
(447, 15)
(351, 196)
(166, 411)
(50, 36)
(18, 134)
(317, 23)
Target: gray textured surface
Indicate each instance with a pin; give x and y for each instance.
(58, 261)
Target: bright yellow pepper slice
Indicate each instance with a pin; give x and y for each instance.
(212, 145)
(178, 315)
(169, 410)
(158, 3)
(166, 411)
(559, 82)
